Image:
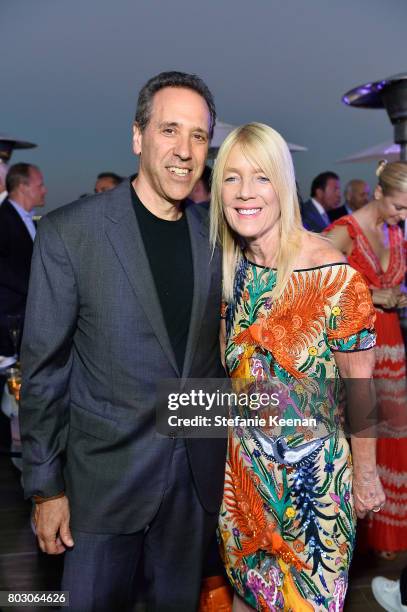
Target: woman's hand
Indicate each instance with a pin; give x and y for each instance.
(402, 300)
(387, 298)
(368, 495)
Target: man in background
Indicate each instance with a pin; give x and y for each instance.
(106, 181)
(26, 191)
(7, 146)
(357, 194)
(201, 193)
(325, 196)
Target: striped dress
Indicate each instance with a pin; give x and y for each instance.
(387, 529)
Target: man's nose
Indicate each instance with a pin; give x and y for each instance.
(183, 148)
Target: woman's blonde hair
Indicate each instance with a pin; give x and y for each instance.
(392, 176)
(268, 151)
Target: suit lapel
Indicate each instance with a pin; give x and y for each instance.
(124, 234)
(317, 218)
(25, 234)
(201, 257)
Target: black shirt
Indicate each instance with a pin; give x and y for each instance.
(168, 248)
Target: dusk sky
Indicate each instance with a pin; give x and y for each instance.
(71, 72)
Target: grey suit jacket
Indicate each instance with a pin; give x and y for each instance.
(95, 345)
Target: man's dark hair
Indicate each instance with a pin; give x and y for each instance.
(321, 180)
(110, 175)
(172, 79)
(17, 174)
(206, 178)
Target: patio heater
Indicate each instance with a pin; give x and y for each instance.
(391, 94)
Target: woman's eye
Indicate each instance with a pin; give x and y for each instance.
(263, 179)
(230, 179)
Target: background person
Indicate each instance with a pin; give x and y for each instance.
(325, 196)
(7, 146)
(26, 191)
(106, 181)
(201, 193)
(298, 314)
(373, 244)
(357, 194)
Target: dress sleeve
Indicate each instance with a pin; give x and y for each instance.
(350, 315)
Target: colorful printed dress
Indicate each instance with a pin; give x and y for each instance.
(287, 521)
(387, 528)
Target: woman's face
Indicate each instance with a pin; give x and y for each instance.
(250, 203)
(393, 206)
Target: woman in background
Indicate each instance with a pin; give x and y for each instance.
(296, 315)
(374, 245)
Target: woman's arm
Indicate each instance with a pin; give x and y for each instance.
(356, 369)
(340, 239)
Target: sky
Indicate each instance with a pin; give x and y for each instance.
(71, 72)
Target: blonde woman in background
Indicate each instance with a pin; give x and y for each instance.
(295, 313)
(374, 245)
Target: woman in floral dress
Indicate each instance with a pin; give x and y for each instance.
(374, 245)
(296, 318)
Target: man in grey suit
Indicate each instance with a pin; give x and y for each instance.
(123, 294)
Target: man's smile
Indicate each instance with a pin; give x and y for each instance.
(179, 171)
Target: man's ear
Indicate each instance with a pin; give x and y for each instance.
(137, 139)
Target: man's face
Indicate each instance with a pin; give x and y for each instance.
(35, 189)
(330, 197)
(174, 145)
(392, 207)
(104, 184)
(359, 195)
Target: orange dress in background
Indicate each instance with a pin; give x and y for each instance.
(388, 528)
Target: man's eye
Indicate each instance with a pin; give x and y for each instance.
(168, 131)
(200, 137)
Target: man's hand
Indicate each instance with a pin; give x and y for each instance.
(51, 519)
